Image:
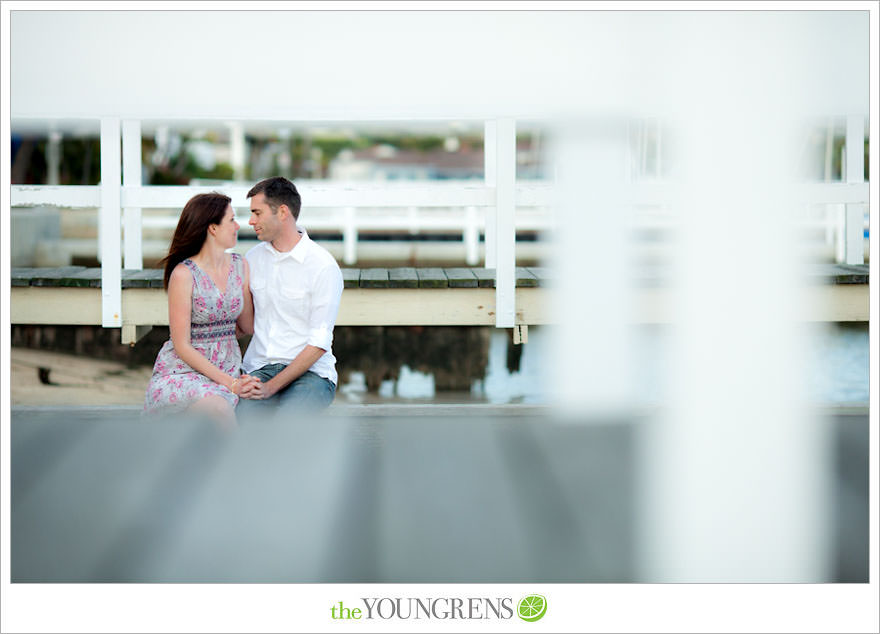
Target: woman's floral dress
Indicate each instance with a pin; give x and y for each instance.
(174, 385)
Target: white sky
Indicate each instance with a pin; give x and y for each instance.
(345, 64)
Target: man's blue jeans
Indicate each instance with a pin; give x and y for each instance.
(310, 392)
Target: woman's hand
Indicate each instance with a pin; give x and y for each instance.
(242, 384)
(252, 388)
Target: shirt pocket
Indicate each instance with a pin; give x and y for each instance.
(293, 301)
(258, 292)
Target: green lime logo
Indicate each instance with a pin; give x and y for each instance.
(532, 608)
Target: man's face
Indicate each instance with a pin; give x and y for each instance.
(265, 222)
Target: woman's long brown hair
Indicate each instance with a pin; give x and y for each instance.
(201, 211)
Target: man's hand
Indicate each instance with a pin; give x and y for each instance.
(250, 385)
(257, 390)
(301, 363)
(270, 387)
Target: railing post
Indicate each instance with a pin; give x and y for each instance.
(505, 230)
(658, 153)
(131, 177)
(349, 236)
(830, 210)
(53, 158)
(109, 224)
(490, 160)
(705, 518)
(471, 237)
(592, 295)
(238, 150)
(855, 173)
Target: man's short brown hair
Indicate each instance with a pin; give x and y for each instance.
(278, 191)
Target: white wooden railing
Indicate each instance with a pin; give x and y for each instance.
(490, 205)
(121, 197)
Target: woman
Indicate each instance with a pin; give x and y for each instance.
(198, 369)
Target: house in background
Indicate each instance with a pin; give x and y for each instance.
(453, 161)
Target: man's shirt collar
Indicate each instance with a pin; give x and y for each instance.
(298, 252)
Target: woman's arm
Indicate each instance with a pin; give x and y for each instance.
(179, 321)
(245, 322)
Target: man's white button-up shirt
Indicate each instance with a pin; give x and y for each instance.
(296, 300)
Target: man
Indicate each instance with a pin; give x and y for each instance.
(296, 286)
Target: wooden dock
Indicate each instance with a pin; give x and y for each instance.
(400, 296)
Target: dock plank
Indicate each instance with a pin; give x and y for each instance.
(832, 273)
(351, 278)
(543, 275)
(851, 274)
(90, 278)
(146, 278)
(432, 278)
(61, 276)
(22, 276)
(410, 277)
(403, 277)
(461, 278)
(374, 278)
(525, 278)
(485, 277)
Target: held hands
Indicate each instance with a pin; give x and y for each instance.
(239, 386)
(250, 387)
(257, 390)
(247, 386)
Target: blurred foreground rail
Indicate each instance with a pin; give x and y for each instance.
(483, 494)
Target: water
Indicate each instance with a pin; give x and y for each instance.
(837, 373)
(839, 363)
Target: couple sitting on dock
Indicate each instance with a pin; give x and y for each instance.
(285, 292)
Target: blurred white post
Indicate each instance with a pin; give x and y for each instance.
(131, 177)
(471, 237)
(643, 149)
(237, 150)
(109, 224)
(349, 236)
(658, 151)
(53, 158)
(830, 214)
(412, 220)
(736, 466)
(840, 216)
(490, 133)
(285, 160)
(592, 297)
(505, 230)
(855, 173)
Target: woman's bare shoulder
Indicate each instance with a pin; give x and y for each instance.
(180, 275)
